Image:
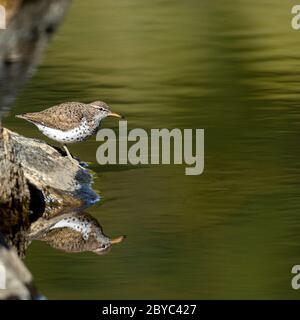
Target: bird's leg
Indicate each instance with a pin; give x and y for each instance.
(70, 156)
(68, 153)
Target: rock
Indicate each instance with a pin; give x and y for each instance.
(11, 8)
(15, 276)
(36, 180)
(14, 194)
(55, 182)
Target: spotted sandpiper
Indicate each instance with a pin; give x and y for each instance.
(70, 122)
(74, 232)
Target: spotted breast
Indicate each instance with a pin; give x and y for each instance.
(77, 134)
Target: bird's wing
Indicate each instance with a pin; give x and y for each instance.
(65, 239)
(64, 116)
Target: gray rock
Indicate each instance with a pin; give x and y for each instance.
(17, 280)
(50, 174)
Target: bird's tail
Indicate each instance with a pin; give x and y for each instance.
(21, 116)
(26, 116)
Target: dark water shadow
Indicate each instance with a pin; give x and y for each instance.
(115, 168)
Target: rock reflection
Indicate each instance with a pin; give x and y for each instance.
(29, 27)
(73, 232)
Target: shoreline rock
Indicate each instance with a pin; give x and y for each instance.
(18, 280)
(54, 182)
(37, 184)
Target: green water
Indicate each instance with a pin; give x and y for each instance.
(232, 68)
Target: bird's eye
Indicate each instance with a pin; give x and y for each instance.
(101, 109)
(103, 246)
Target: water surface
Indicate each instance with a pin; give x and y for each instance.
(232, 69)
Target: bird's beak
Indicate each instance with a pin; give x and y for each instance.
(113, 114)
(117, 240)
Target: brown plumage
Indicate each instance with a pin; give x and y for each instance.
(64, 116)
(69, 240)
(70, 122)
(76, 233)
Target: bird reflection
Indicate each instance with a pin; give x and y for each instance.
(73, 232)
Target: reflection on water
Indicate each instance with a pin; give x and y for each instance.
(73, 232)
(29, 27)
(232, 69)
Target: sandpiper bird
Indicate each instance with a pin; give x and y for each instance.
(76, 233)
(70, 122)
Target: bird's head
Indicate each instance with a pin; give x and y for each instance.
(103, 110)
(106, 243)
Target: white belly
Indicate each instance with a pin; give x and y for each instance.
(74, 135)
(75, 224)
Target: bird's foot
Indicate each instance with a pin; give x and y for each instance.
(71, 158)
(77, 164)
(85, 164)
